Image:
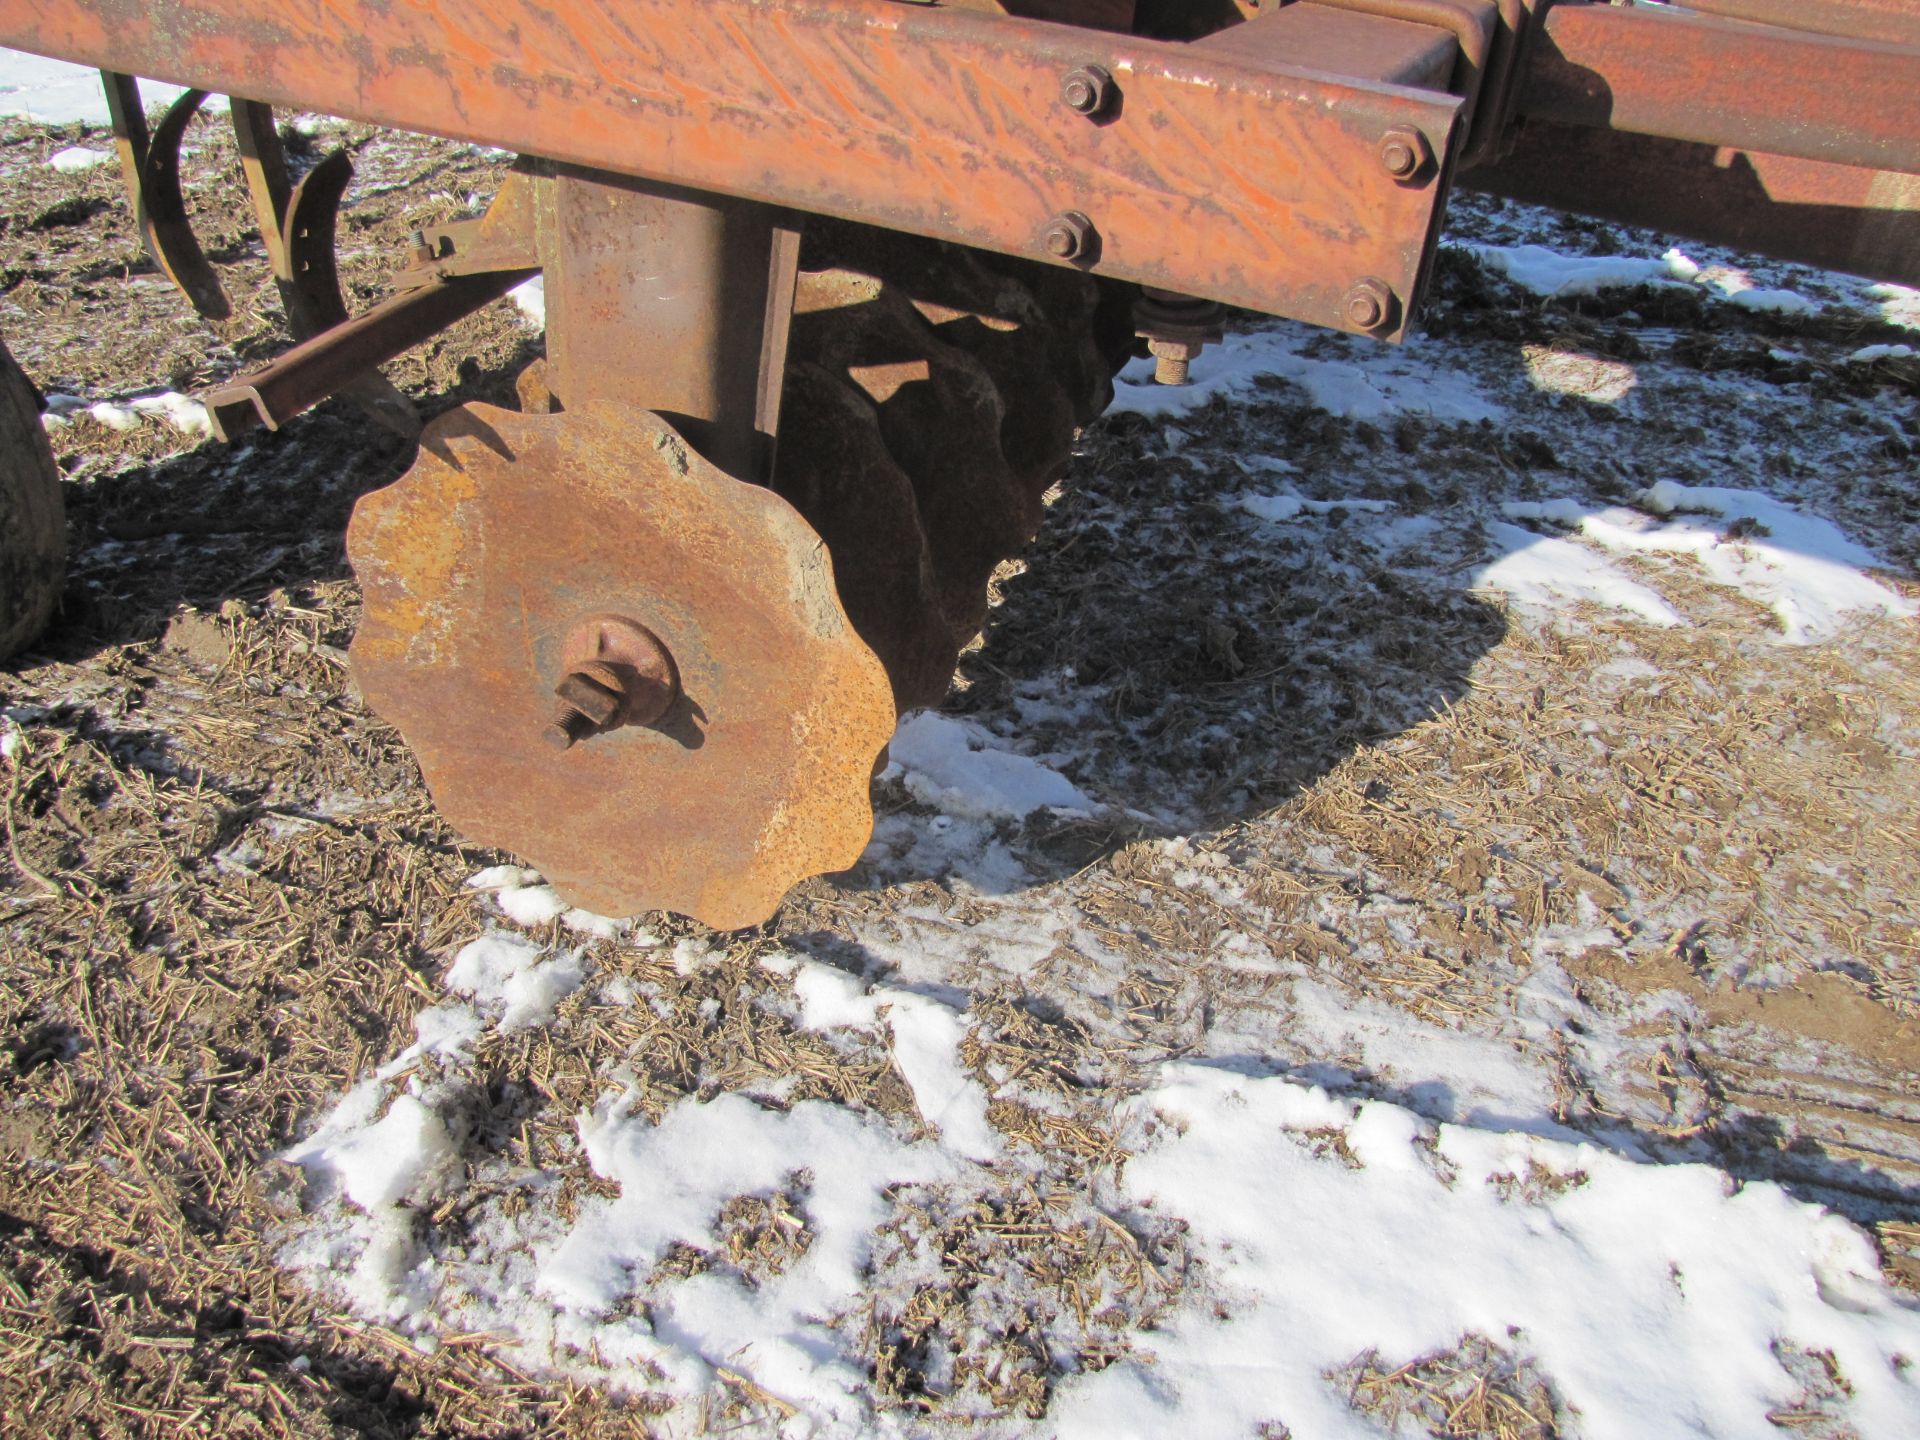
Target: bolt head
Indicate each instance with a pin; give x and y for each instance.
(1086, 90)
(1368, 304)
(1404, 152)
(1068, 236)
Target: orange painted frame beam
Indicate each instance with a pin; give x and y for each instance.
(1207, 173)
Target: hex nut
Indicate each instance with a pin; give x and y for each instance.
(1369, 304)
(1069, 236)
(1086, 89)
(1405, 152)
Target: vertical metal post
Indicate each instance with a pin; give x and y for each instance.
(674, 300)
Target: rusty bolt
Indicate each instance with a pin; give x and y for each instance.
(422, 251)
(1404, 151)
(1369, 304)
(1172, 359)
(591, 698)
(1068, 236)
(1086, 90)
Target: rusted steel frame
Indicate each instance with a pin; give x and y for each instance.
(1863, 221)
(1493, 118)
(332, 360)
(505, 238)
(675, 301)
(150, 166)
(1472, 24)
(1256, 184)
(1721, 82)
(1894, 21)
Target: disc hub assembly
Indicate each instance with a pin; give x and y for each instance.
(618, 662)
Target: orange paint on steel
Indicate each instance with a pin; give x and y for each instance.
(1721, 82)
(1213, 175)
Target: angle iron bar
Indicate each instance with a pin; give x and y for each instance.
(335, 359)
(1250, 183)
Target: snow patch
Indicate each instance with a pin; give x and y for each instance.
(181, 412)
(531, 297)
(1798, 565)
(926, 1047)
(53, 92)
(508, 972)
(959, 767)
(1287, 506)
(1542, 572)
(1359, 380)
(76, 158)
(1546, 271)
(1638, 1290)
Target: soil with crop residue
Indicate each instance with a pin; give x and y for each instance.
(1323, 760)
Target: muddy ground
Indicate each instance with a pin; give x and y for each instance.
(1398, 773)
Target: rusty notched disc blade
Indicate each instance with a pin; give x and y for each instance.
(510, 530)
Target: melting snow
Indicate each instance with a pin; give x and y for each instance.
(1798, 565)
(182, 412)
(960, 767)
(1542, 572)
(1328, 1227)
(1549, 272)
(1357, 379)
(1654, 1296)
(76, 158)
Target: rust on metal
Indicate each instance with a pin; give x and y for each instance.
(506, 237)
(477, 568)
(1894, 21)
(1863, 221)
(1405, 153)
(1653, 71)
(1223, 173)
(1472, 24)
(1087, 90)
(1070, 236)
(676, 296)
(1370, 303)
(263, 161)
(624, 661)
(337, 358)
(1176, 328)
(150, 166)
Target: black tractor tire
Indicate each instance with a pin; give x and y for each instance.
(33, 523)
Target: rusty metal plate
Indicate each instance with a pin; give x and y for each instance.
(1723, 82)
(1210, 172)
(482, 565)
(1863, 221)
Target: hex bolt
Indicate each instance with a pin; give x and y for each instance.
(1405, 152)
(591, 698)
(1172, 360)
(1086, 90)
(1068, 236)
(1369, 304)
(422, 251)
